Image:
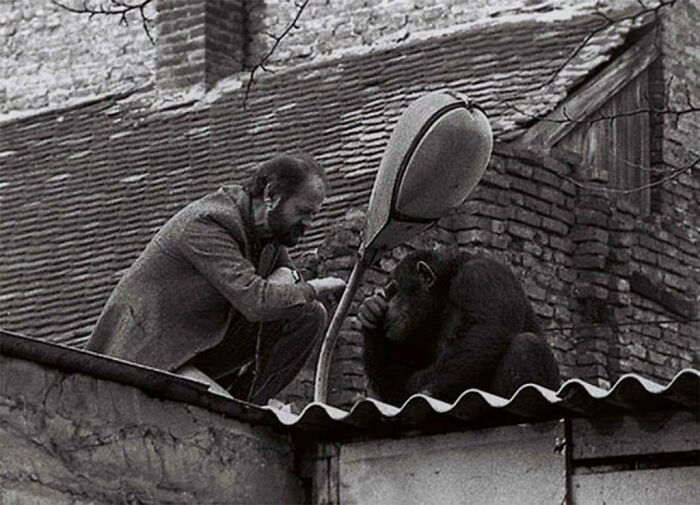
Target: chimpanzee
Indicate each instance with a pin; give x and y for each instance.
(448, 322)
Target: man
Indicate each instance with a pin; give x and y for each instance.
(215, 295)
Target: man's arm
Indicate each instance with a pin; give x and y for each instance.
(284, 259)
(212, 250)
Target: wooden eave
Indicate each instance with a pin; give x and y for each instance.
(586, 100)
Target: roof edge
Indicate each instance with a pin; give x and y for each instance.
(554, 126)
(238, 81)
(115, 95)
(160, 383)
(557, 159)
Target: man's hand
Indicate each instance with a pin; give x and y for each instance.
(323, 287)
(327, 286)
(283, 275)
(372, 311)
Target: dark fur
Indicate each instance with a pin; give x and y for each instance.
(473, 328)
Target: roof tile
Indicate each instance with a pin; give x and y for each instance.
(82, 189)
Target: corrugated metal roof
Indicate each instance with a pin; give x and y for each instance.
(370, 417)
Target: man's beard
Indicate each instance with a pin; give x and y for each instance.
(285, 235)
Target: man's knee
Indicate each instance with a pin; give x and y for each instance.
(316, 315)
(310, 318)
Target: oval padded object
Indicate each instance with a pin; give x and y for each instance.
(436, 155)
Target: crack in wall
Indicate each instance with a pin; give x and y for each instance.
(92, 440)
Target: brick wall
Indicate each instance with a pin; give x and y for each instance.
(520, 213)
(665, 246)
(199, 42)
(640, 276)
(583, 259)
(49, 56)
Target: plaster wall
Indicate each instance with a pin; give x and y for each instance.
(69, 438)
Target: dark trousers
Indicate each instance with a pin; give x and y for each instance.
(284, 347)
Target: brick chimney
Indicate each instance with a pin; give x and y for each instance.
(199, 42)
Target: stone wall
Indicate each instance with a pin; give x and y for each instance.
(331, 27)
(68, 438)
(49, 57)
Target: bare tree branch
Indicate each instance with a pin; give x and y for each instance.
(663, 174)
(608, 21)
(666, 174)
(673, 173)
(122, 8)
(261, 65)
(119, 8)
(568, 119)
(660, 322)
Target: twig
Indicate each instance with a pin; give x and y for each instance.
(120, 8)
(629, 323)
(674, 173)
(607, 22)
(568, 119)
(675, 113)
(261, 65)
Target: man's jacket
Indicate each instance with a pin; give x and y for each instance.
(196, 276)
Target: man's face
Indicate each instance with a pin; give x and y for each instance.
(289, 219)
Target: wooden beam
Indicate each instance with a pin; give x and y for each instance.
(584, 102)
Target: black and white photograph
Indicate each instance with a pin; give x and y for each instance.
(350, 252)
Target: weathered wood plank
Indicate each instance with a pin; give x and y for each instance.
(638, 487)
(644, 149)
(515, 464)
(657, 433)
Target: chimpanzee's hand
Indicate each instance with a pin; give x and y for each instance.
(419, 383)
(372, 312)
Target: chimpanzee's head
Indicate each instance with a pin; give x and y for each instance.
(417, 294)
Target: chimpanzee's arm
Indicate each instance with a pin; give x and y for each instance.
(387, 370)
(467, 362)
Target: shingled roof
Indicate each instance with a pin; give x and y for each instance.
(82, 189)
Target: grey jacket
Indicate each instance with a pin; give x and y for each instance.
(195, 277)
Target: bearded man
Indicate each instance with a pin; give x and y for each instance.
(215, 296)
